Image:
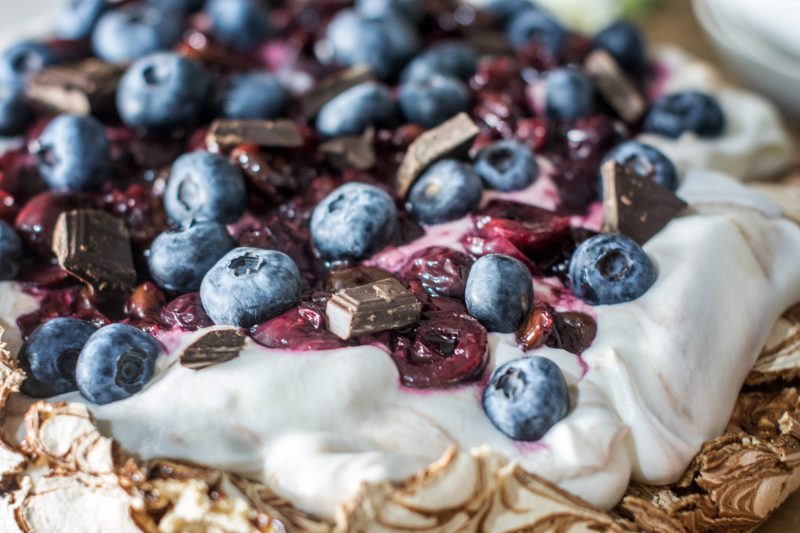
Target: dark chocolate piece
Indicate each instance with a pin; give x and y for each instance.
(96, 248)
(615, 87)
(214, 347)
(635, 205)
(349, 277)
(372, 308)
(227, 133)
(450, 138)
(354, 151)
(330, 87)
(80, 88)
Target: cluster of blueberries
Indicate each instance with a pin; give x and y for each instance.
(205, 191)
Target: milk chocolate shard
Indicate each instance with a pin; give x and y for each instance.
(635, 205)
(96, 248)
(615, 87)
(378, 306)
(351, 151)
(213, 347)
(227, 133)
(450, 138)
(80, 88)
(330, 87)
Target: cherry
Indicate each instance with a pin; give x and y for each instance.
(301, 328)
(573, 332)
(445, 349)
(537, 327)
(441, 271)
(35, 221)
(145, 303)
(186, 312)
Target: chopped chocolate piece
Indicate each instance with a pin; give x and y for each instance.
(634, 205)
(214, 347)
(573, 332)
(349, 277)
(378, 306)
(96, 248)
(537, 327)
(448, 139)
(617, 89)
(356, 151)
(80, 88)
(226, 133)
(335, 84)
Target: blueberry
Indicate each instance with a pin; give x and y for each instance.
(384, 43)
(133, 31)
(73, 153)
(686, 111)
(431, 101)
(499, 292)
(249, 286)
(570, 94)
(15, 114)
(21, 61)
(10, 251)
(117, 362)
(77, 18)
(180, 258)
(446, 191)
(645, 161)
(526, 397)
(241, 24)
(626, 44)
(50, 354)
(255, 95)
(162, 90)
(507, 166)
(448, 58)
(204, 187)
(410, 9)
(353, 222)
(356, 109)
(535, 26)
(610, 269)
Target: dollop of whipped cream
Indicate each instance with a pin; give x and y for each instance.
(755, 144)
(660, 379)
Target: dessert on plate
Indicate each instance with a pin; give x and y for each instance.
(388, 266)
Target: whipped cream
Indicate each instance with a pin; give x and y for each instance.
(652, 388)
(755, 144)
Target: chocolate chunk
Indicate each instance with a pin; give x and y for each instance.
(351, 151)
(635, 205)
(573, 332)
(450, 138)
(378, 306)
(615, 87)
(227, 133)
(80, 88)
(96, 248)
(349, 277)
(214, 347)
(330, 87)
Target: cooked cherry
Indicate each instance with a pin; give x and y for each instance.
(573, 332)
(186, 312)
(537, 327)
(36, 220)
(446, 349)
(301, 328)
(441, 271)
(145, 303)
